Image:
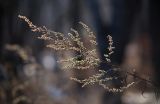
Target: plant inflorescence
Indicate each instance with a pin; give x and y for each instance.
(86, 58)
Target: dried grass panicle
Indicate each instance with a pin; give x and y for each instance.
(112, 89)
(91, 34)
(110, 49)
(86, 59)
(97, 78)
(71, 43)
(101, 79)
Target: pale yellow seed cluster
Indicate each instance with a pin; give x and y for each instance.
(121, 89)
(86, 63)
(91, 34)
(110, 49)
(76, 38)
(98, 79)
(91, 80)
(58, 40)
(86, 58)
(31, 25)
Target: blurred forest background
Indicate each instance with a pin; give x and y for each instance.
(133, 24)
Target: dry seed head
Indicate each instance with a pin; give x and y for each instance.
(89, 59)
